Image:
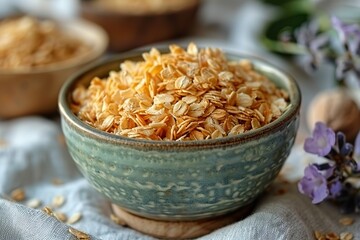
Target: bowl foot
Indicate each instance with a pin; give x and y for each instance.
(179, 229)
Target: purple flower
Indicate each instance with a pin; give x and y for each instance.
(357, 146)
(335, 189)
(307, 35)
(345, 30)
(323, 138)
(343, 148)
(314, 184)
(342, 67)
(349, 35)
(357, 152)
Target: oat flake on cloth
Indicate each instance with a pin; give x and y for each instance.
(33, 153)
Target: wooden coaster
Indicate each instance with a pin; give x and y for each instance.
(179, 229)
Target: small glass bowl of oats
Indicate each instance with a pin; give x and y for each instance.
(37, 56)
(180, 133)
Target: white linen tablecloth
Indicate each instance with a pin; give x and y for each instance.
(33, 153)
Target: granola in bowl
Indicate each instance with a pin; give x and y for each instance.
(185, 94)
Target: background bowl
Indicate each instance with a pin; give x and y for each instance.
(177, 180)
(34, 91)
(127, 31)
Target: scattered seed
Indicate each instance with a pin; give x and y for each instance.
(74, 218)
(57, 181)
(3, 143)
(60, 216)
(317, 235)
(33, 203)
(346, 221)
(58, 201)
(281, 191)
(48, 211)
(61, 139)
(117, 220)
(78, 234)
(332, 236)
(346, 236)
(18, 194)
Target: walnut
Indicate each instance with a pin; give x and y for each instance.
(338, 110)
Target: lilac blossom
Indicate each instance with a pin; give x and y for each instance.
(357, 151)
(357, 146)
(345, 30)
(322, 140)
(333, 179)
(307, 35)
(343, 66)
(349, 35)
(335, 189)
(314, 183)
(322, 48)
(344, 148)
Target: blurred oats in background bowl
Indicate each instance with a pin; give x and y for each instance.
(181, 135)
(133, 23)
(37, 56)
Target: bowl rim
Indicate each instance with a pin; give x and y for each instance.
(71, 62)
(291, 113)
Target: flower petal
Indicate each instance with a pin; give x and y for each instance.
(357, 146)
(328, 172)
(335, 189)
(313, 184)
(322, 140)
(320, 193)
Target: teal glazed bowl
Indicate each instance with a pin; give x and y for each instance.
(180, 180)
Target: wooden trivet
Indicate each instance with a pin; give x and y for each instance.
(179, 229)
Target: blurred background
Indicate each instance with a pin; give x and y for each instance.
(132, 23)
(266, 28)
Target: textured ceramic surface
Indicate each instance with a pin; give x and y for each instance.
(181, 180)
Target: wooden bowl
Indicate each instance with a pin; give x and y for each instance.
(127, 31)
(35, 91)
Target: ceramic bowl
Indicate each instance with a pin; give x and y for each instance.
(180, 180)
(35, 91)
